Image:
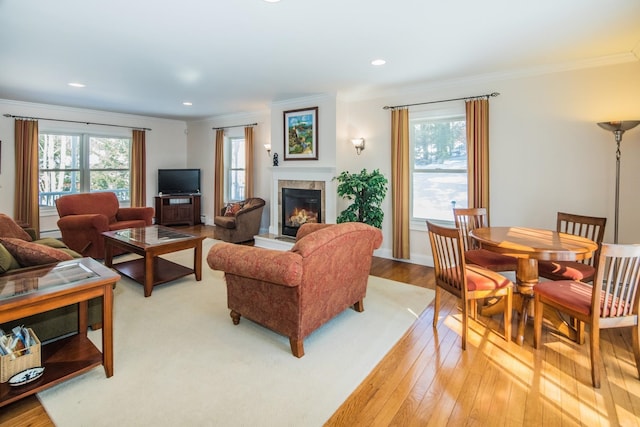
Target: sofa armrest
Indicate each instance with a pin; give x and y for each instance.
(98, 222)
(283, 268)
(128, 214)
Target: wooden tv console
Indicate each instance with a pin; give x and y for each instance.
(178, 209)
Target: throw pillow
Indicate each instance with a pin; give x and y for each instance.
(28, 253)
(232, 209)
(9, 228)
(7, 261)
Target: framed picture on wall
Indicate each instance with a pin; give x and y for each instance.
(301, 134)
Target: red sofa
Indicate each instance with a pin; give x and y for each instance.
(294, 292)
(84, 217)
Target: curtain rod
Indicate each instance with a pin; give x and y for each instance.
(236, 126)
(386, 107)
(74, 121)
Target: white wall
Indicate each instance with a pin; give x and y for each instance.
(547, 153)
(165, 142)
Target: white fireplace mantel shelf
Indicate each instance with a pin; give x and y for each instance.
(296, 173)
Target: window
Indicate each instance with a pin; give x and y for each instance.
(82, 163)
(438, 165)
(236, 169)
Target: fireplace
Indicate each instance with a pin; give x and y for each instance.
(300, 206)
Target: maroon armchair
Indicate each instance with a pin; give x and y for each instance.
(294, 292)
(84, 217)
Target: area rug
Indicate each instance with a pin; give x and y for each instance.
(179, 360)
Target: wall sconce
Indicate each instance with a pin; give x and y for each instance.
(268, 148)
(358, 144)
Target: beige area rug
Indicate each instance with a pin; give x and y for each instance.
(180, 361)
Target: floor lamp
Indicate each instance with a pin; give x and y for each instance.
(618, 129)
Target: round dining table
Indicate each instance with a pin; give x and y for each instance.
(529, 245)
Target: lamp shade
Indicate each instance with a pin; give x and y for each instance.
(619, 126)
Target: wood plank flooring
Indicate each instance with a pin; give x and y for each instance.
(427, 380)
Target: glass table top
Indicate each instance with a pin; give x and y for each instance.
(150, 235)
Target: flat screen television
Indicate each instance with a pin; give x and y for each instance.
(178, 181)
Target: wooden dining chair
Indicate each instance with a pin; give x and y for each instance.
(466, 282)
(611, 302)
(590, 227)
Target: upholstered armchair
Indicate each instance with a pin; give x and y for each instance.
(295, 292)
(239, 222)
(84, 217)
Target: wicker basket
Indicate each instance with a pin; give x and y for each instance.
(24, 359)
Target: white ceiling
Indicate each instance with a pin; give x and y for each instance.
(231, 56)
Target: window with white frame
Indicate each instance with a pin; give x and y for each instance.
(82, 163)
(438, 164)
(236, 171)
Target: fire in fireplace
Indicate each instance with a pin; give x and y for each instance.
(299, 206)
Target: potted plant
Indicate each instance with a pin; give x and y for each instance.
(367, 190)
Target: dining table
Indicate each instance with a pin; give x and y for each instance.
(530, 245)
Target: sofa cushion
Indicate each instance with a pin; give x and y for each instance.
(28, 253)
(232, 209)
(9, 228)
(51, 242)
(7, 261)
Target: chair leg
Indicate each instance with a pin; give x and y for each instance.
(538, 308)
(465, 323)
(235, 317)
(635, 338)
(508, 309)
(297, 347)
(473, 306)
(436, 307)
(594, 344)
(359, 306)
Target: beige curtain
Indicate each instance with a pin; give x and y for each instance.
(138, 169)
(27, 191)
(400, 182)
(248, 163)
(477, 112)
(218, 171)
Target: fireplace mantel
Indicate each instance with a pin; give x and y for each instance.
(282, 173)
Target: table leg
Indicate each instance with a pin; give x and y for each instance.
(526, 278)
(148, 274)
(108, 254)
(107, 330)
(197, 261)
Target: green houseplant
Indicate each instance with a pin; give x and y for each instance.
(367, 190)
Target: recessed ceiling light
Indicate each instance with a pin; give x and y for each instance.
(272, 1)
(187, 103)
(77, 85)
(378, 62)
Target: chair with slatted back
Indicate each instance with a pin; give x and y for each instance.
(466, 282)
(467, 219)
(590, 227)
(612, 301)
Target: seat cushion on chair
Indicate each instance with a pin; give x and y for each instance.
(483, 279)
(569, 293)
(228, 222)
(566, 270)
(491, 260)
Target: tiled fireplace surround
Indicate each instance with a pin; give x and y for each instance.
(315, 178)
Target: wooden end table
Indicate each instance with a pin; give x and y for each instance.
(42, 289)
(151, 242)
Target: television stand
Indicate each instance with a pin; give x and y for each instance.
(174, 209)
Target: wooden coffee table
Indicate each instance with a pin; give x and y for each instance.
(151, 242)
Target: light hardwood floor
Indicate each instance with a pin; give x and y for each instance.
(426, 379)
